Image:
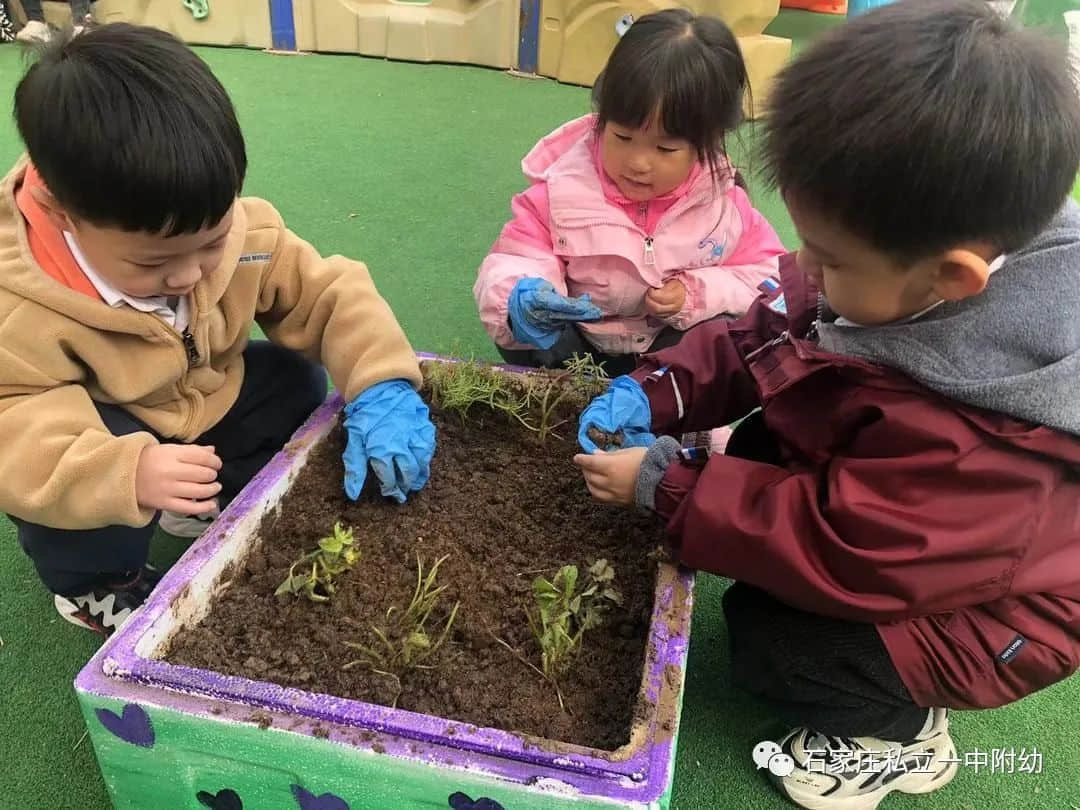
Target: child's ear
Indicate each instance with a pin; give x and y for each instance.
(53, 210)
(961, 274)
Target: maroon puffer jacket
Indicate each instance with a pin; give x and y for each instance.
(955, 530)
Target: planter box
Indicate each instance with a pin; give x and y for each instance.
(175, 737)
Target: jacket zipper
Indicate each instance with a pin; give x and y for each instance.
(812, 332)
(774, 342)
(643, 215)
(650, 254)
(192, 350)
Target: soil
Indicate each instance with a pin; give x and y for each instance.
(505, 509)
(605, 440)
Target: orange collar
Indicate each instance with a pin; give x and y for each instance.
(46, 240)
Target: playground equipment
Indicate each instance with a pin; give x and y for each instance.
(576, 36)
(244, 23)
(478, 32)
(568, 40)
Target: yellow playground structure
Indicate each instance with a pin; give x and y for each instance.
(568, 40)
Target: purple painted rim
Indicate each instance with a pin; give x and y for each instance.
(640, 772)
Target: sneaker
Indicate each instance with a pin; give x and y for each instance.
(106, 608)
(186, 525)
(856, 773)
(34, 31)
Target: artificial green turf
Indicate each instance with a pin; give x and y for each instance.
(411, 168)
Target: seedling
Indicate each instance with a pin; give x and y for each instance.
(565, 611)
(458, 386)
(532, 400)
(582, 378)
(403, 643)
(335, 555)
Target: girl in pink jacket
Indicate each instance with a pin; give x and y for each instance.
(633, 229)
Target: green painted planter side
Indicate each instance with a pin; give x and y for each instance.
(192, 755)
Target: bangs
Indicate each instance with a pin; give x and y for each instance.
(685, 72)
(674, 93)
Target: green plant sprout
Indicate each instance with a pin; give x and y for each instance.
(532, 400)
(335, 555)
(582, 377)
(404, 644)
(460, 385)
(565, 611)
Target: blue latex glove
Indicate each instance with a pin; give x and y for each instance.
(388, 425)
(538, 314)
(624, 407)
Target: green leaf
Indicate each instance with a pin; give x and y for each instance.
(295, 584)
(569, 574)
(285, 587)
(333, 545)
(419, 640)
(601, 571)
(344, 536)
(592, 619)
(541, 586)
(613, 595)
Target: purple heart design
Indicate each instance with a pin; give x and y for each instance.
(132, 726)
(309, 801)
(460, 801)
(222, 800)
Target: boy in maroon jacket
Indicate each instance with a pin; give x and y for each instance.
(901, 509)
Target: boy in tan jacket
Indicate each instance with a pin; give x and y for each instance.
(130, 276)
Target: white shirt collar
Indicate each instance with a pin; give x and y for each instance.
(993, 267)
(157, 305)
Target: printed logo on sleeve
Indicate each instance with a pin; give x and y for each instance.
(1010, 652)
(778, 305)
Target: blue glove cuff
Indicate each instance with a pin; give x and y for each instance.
(377, 392)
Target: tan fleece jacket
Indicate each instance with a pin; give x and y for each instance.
(61, 350)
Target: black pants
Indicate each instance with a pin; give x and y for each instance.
(833, 676)
(572, 342)
(279, 391)
(79, 9)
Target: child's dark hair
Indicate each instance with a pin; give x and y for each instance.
(130, 129)
(925, 124)
(687, 68)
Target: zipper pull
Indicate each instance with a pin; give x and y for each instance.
(774, 342)
(650, 254)
(192, 349)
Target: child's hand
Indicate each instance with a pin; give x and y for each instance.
(612, 477)
(178, 478)
(666, 301)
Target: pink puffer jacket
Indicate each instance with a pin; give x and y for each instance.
(573, 228)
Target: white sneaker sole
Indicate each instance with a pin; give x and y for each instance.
(911, 783)
(34, 33)
(70, 607)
